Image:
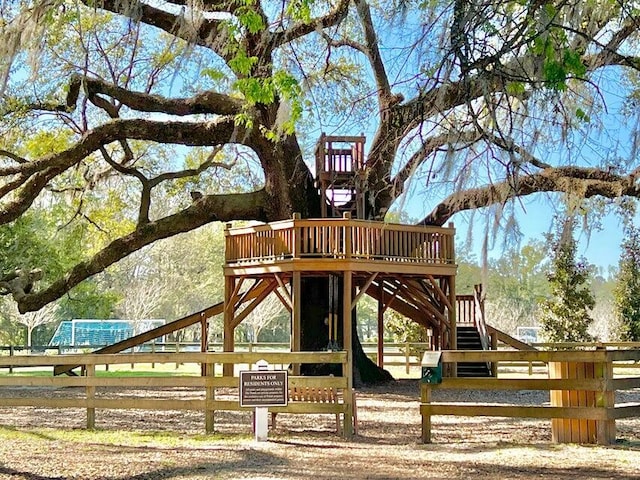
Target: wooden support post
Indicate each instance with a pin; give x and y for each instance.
(425, 398)
(605, 399)
(381, 325)
(347, 293)
(228, 332)
(11, 355)
(346, 237)
(296, 315)
(210, 393)
(494, 346)
(90, 372)
(204, 339)
(204, 334)
(453, 339)
(407, 356)
(297, 238)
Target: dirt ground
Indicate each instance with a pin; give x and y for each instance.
(139, 445)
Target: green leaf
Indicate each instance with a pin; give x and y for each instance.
(250, 19)
(515, 88)
(242, 64)
(256, 90)
(300, 10)
(213, 74)
(573, 63)
(582, 115)
(555, 75)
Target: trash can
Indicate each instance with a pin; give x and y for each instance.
(432, 367)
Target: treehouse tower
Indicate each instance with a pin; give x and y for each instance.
(340, 176)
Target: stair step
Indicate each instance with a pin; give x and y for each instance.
(468, 338)
(473, 369)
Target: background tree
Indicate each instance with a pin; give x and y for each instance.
(32, 320)
(627, 290)
(270, 314)
(127, 115)
(516, 285)
(565, 315)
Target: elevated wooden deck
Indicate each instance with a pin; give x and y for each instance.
(410, 269)
(333, 245)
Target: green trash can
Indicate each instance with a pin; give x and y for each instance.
(432, 367)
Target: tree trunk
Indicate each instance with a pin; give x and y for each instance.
(290, 183)
(316, 306)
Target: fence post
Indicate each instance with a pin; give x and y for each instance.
(494, 346)
(90, 372)
(605, 399)
(425, 399)
(407, 356)
(210, 396)
(11, 355)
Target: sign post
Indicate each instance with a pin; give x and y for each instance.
(263, 388)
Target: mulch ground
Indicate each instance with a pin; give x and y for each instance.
(136, 444)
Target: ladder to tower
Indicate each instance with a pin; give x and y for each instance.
(340, 175)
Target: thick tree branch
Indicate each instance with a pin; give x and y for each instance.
(207, 102)
(45, 169)
(581, 182)
(205, 133)
(170, 23)
(19, 283)
(13, 156)
(373, 54)
(210, 208)
(301, 29)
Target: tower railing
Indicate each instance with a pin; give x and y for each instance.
(341, 238)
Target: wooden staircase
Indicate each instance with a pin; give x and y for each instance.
(468, 338)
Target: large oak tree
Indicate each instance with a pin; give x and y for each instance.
(138, 103)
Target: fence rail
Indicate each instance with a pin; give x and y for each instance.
(208, 383)
(396, 354)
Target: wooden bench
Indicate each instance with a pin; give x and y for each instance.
(316, 397)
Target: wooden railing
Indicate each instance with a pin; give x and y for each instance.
(209, 402)
(339, 154)
(582, 391)
(470, 310)
(339, 239)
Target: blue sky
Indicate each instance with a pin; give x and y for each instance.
(601, 247)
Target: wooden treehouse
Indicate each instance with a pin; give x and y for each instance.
(410, 269)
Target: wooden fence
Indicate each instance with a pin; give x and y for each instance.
(582, 394)
(209, 384)
(396, 354)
